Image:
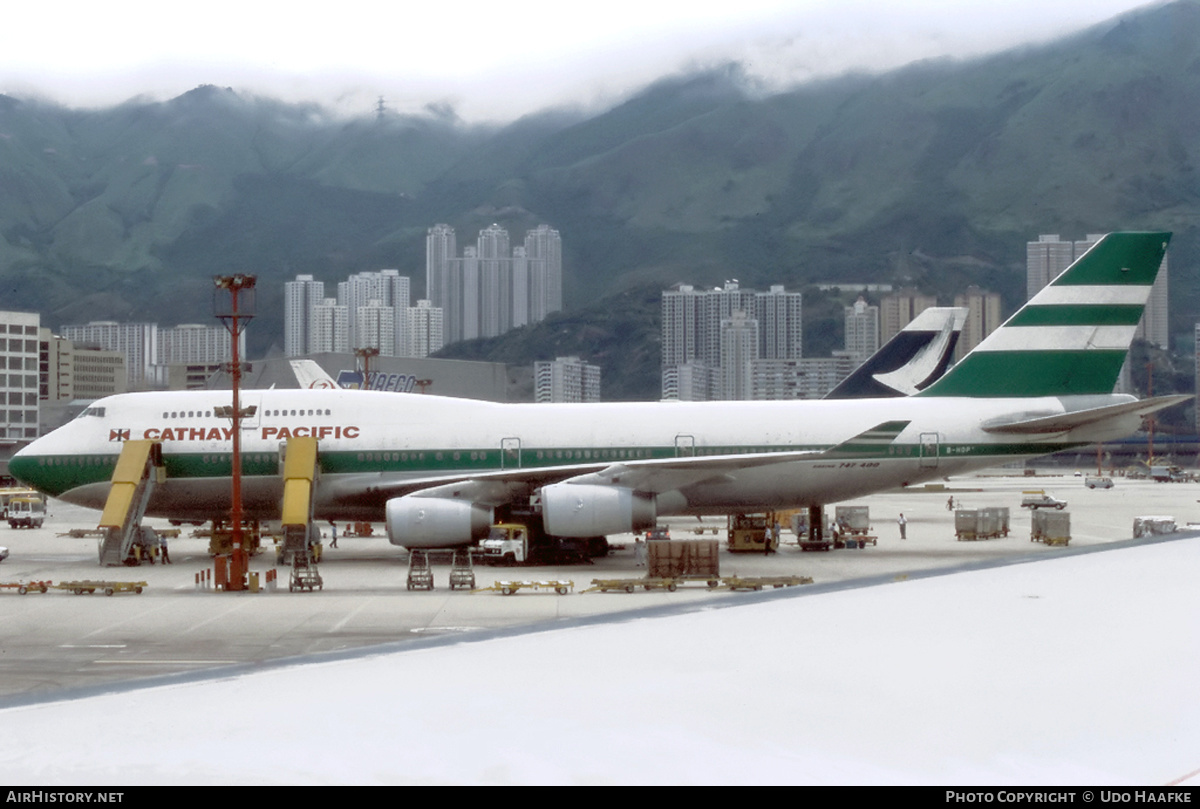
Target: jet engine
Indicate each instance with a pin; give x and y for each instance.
(584, 510)
(435, 522)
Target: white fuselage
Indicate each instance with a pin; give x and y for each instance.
(371, 441)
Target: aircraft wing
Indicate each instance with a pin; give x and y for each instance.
(1064, 422)
(652, 475)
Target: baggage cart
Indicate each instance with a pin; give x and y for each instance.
(511, 587)
(462, 571)
(107, 587)
(759, 582)
(28, 586)
(420, 575)
(305, 575)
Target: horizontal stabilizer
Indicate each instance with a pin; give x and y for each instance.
(1062, 422)
(874, 441)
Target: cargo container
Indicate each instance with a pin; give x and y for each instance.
(681, 558)
(1051, 527)
(981, 523)
(1151, 526)
(853, 520)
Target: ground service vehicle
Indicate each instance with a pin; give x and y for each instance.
(517, 544)
(1098, 483)
(1037, 498)
(7, 494)
(506, 544)
(750, 533)
(1167, 474)
(26, 512)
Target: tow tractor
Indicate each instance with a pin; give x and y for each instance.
(506, 544)
(511, 543)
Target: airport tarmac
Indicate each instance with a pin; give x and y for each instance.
(59, 642)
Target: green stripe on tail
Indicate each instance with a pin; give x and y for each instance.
(1074, 335)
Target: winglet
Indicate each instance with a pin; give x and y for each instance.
(1072, 337)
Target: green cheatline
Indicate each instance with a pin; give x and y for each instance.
(63, 473)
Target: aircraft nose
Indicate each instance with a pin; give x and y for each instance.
(29, 467)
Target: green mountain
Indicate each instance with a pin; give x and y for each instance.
(935, 175)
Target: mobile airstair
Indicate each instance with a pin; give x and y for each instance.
(139, 469)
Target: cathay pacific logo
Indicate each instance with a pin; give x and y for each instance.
(118, 435)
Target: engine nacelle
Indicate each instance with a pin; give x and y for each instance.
(584, 510)
(435, 522)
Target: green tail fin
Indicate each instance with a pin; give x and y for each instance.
(1072, 337)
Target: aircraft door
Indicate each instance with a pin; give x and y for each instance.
(930, 447)
(510, 453)
(685, 446)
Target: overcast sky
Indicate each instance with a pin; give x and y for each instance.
(491, 61)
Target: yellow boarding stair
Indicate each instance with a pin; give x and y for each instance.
(138, 469)
(299, 476)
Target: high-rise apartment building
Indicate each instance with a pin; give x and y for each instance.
(425, 329)
(696, 353)
(375, 327)
(984, 315)
(1046, 258)
(98, 373)
(494, 286)
(566, 379)
(543, 248)
(370, 311)
(300, 296)
(809, 378)
(329, 328)
(862, 329)
(56, 367)
(898, 309)
(373, 291)
(739, 348)
(780, 322)
(19, 383)
(138, 342)
(194, 343)
(441, 247)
